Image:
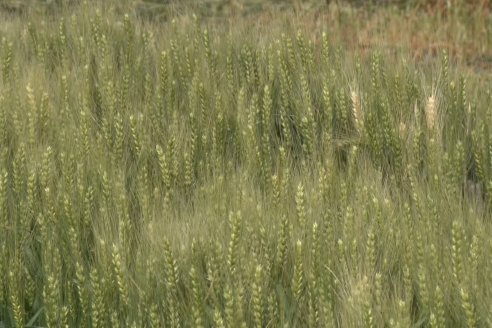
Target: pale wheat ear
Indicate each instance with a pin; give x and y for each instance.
(431, 112)
(357, 113)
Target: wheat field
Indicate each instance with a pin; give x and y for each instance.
(245, 171)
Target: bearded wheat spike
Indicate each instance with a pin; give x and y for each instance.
(430, 112)
(357, 111)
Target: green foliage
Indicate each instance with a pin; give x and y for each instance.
(188, 174)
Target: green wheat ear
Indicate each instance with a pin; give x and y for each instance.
(301, 206)
(469, 309)
(298, 279)
(257, 296)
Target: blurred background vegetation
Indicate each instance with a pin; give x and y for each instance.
(162, 8)
(423, 28)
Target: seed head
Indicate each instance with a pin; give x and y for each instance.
(357, 111)
(430, 112)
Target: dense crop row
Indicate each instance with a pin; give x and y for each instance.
(171, 175)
